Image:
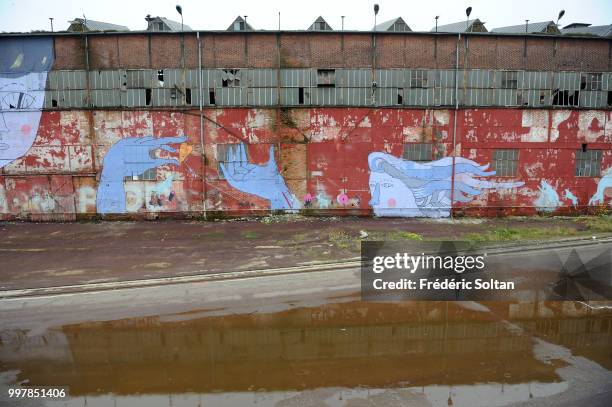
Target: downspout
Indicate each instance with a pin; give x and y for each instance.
(200, 97)
(455, 124)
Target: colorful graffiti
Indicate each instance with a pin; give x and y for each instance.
(548, 199)
(409, 189)
(24, 64)
(130, 157)
(265, 181)
(604, 187)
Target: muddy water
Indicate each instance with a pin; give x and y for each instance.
(341, 354)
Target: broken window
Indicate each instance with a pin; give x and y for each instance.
(590, 81)
(188, 96)
(148, 97)
(418, 151)
(418, 78)
(509, 80)
(160, 77)
(505, 162)
(609, 101)
(565, 97)
(211, 96)
(300, 96)
(400, 96)
(326, 78)
(230, 78)
(588, 162)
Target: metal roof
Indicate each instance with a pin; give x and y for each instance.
(459, 27)
(533, 28)
(173, 25)
(92, 25)
(598, 30)
(388, 24)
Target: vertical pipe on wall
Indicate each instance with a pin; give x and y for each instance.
(455, 124)
(200, 97)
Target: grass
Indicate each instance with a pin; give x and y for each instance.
(601, 224)
(344, 240)
(505, 234)
(249, 234)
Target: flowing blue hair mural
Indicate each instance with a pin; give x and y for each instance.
(405, 188)
(24, 64)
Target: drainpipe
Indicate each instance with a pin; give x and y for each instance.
(455, 124)
(200, 98)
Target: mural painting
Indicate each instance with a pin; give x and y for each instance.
(604, 188)
(405, 188)
(131, 157)
(265, 181)
(24, 64)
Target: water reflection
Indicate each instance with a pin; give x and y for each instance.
(336, 354)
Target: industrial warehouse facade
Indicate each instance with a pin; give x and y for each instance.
(347, 123)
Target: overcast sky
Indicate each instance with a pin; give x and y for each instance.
(27, 15)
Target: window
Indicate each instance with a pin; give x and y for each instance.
(590, 81)
(418, 79)
(320, 25)
(326, 78)
(505, 162)
(239, 26)
(148, 96)
(509, 80)
(300, 96)
(588, 162)
(399, 27)
(188, 96)
(400, 96)
(418, 152)
(230, 78)
(211, 96)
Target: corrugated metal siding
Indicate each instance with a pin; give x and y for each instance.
(352, 87)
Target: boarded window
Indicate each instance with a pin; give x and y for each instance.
(230, 78)
(590, 81)
(509, 80)
(326, 78)
(223, 156)
(505, 162)
(418, 78)
(588, 163)
(418, 152)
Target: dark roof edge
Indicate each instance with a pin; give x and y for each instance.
(305, 32)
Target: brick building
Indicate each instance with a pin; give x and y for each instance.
(235, 122)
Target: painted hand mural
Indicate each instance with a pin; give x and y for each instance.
(604, 187)
(410, 189)
(129, 157)
(24, 63)
(265, 181)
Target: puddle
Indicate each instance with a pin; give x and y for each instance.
(342, 354)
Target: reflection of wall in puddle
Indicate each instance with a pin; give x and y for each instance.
(471, 345)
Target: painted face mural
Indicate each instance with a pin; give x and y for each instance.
(409, 189)
(265, 181)
(131, 157)
(24, 63)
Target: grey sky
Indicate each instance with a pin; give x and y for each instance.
(27, 15)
